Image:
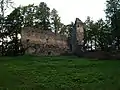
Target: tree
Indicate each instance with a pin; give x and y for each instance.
(70, 34)
(15, 21)
(43, 16)
(113, 18)
(62, 29)
(28, 13)
(97, 34)
(103, 36)
(4, 5)
(55, 21)
(89, 32)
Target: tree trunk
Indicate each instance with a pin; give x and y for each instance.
(91, 45)
(2, 11)
(95, 43)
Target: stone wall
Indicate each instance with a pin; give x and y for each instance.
(79, 31)
(41, 42)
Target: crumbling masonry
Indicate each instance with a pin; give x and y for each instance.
(42, 42)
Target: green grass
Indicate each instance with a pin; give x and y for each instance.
(58, 73)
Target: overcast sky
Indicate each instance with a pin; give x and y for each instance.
(68, 10)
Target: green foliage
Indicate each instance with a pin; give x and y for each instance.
(63, 29)
(4, 5)
(105, 34)
(55, 21)
(89, 32)
(113, 17)
(97, 34)
(28, 13)
(43, 16)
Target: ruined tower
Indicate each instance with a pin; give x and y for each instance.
(79, 31)
(77, 35)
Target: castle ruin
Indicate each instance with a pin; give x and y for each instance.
(77, 35)
(42, 42)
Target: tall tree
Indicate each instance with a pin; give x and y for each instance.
(43, 16)
(4, 5)
(63, 29)
(103, 36)
(15, 21)
(89, 32)
(97, 34)
(113, 17)
(55, 21)
(28, 13)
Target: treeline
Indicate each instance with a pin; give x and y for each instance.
(105, 35)
(99, 35)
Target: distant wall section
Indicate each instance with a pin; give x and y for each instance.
(40, 42)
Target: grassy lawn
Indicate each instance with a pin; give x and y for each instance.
(58, 73)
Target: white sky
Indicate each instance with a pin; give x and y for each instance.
(68, 10)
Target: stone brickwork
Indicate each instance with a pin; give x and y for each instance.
(43, 42)
(77, 36)
(79, 31)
